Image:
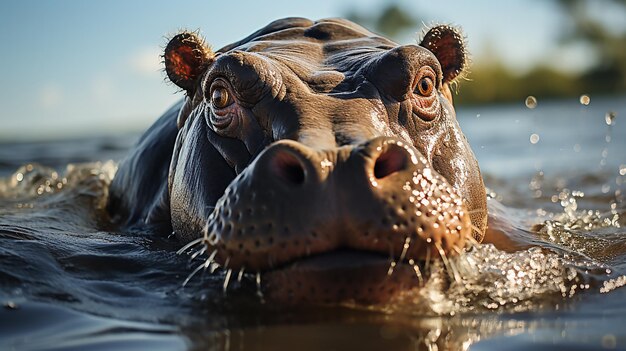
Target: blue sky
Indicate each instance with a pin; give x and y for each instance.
(84, 67)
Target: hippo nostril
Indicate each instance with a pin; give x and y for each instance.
(393, 159)
(288, 167)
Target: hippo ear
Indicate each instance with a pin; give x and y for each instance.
(186, 57)
(447, 43)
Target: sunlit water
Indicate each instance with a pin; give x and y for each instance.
(556, 172)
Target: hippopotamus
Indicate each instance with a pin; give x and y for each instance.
(322, 158)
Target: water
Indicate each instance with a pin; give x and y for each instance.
(556, 172)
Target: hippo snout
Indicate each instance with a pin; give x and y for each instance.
(295, 203)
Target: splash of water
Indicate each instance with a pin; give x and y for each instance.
(491, 279)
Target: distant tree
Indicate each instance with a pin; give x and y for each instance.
(391, 21)
(493, 82)
(609, 71)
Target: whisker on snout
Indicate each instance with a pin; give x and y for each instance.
(227, 280)
(259, 292)
(444, 259)
(229, 276)
(394, 263)
(427, 264)
(240, 275)
(198, 252)
(208, 240)
(450, 268)
(405, 248)
(189, 245)
(193, 273)
(417, 270)
(209, 262)
(211, 257)
(392, 266)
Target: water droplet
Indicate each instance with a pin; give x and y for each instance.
(585, 99)
(609, 117)
(622, 169)
(326, 164)
(478, 115)
(531, 102)
(534, 138)
(606, 188)
(19, 177)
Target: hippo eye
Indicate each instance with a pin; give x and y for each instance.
(425, 86)
(220, 98)
(425, 102)
(224, 114)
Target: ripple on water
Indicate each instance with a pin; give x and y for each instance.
(48, 238)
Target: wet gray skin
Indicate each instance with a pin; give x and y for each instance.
(315, 153)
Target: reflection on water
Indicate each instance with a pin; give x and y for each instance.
(69, 281)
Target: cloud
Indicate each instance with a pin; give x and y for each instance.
(146, 61)
(50, 95)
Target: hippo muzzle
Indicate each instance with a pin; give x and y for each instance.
(343, 215)
(322, 158)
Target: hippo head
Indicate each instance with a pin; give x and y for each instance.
(324, 157)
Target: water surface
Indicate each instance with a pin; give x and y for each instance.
(557, 173)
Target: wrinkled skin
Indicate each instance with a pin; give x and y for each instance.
(314, 153)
